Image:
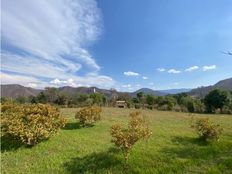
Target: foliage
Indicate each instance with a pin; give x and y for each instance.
(166, 102)
(89, 115)
(207, 130)
(216, 99)
(140, 95)
(98, 99)
(137, 106)
(150, 99)
(21, 99)
(199, 106)
(126, 138)
(227, 109)
(30, 123)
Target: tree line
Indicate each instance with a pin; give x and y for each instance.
(216, 101)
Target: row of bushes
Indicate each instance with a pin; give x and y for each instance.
(30, 124)
(33, 123)
(125, 138)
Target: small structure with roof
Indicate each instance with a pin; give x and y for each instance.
(121, 104)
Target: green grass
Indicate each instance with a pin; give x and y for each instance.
(172, 148)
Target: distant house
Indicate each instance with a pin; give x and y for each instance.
(121, 104)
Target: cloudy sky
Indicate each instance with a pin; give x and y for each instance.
(116, 44)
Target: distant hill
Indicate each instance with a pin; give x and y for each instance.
(202, 91)
(148, 91)
(176, 91)
(14, 90)
(224, 84)
(88, 90)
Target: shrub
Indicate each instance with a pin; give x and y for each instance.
(164, 107)
(150, 107)
(30, 123)
(226, 110)
(207, 130)
(177, 108)
(137, 106)
(89, 115)
(190, 106)
(124, 139)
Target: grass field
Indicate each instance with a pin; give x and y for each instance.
(172, 148)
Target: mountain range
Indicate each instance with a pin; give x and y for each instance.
(202, 91)
(15, 90)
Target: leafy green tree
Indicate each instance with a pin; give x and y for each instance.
(135, 100)
(62, 99)
(171, 102)
(199, 106)
(97, 98)
(51, 94)
(33, 99)
(140, 96)
(82, 98)
(179, 97)
(216, 99)
(42, 98)
(21, 99)
(150, 99)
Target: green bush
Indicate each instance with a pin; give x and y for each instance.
(150, 107)
(164, 107)
(89, 115)
(207, 130)
(137, 106)
(226, 110)
(177, 108)
(30, 123)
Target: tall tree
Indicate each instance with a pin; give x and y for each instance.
(216, 99)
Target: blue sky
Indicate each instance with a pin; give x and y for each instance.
(126, 45)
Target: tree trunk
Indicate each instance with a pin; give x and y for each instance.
(126, 154)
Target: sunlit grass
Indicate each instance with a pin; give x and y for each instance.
(172, 148)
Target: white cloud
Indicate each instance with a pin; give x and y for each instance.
(145, 78)
(129, 87)
(49, 40)
(68, 27)
(151, 83)
(173, 71)
(17, 79)
(210, 67)
(89, 80)
(35, 67)
(192, 68)
(126, 86)
(32, 85)
(69, 82)
(131, 73)
(160, 69)
(176, 83)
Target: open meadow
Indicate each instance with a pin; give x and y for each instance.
(174, 147)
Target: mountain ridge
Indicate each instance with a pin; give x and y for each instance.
(15, 90)
(225, 84)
